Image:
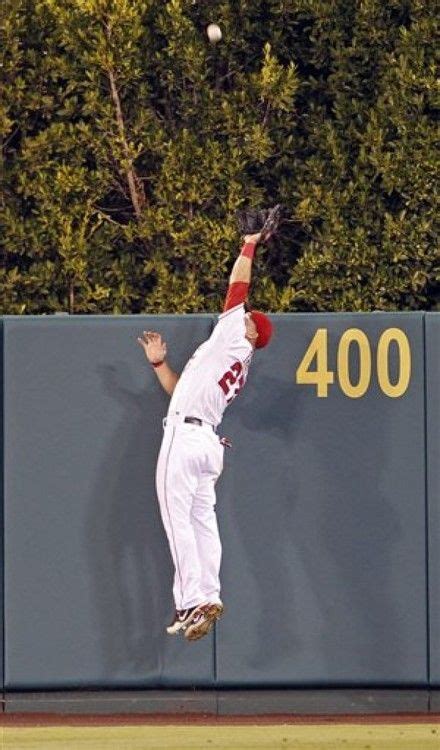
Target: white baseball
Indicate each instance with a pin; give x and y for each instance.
(214, 32)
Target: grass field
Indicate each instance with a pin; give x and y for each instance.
(406, 736)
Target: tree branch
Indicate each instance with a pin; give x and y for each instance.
(135, 187)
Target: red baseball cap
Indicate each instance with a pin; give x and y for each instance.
(264, 328)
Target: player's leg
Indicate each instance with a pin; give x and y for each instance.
(176, 484)
(204, 521)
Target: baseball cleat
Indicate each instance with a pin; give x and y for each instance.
(202, 621)
(180, 620)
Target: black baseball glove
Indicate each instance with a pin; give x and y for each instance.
(263, 221)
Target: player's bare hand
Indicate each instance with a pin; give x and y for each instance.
(154, 347)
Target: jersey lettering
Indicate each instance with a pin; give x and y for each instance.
(232, 381)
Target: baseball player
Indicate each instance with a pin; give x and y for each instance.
(191, 455)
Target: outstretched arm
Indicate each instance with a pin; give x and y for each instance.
(155, 351)
(240, 277)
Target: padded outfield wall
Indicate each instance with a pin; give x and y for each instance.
(327, 502)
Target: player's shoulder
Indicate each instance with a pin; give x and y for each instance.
(236, 309)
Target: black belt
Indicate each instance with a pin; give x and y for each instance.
(196, 420)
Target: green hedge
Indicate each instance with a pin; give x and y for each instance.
(129, 142)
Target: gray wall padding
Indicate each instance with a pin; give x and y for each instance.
(1, 509)
(321, 508)
(323, 517)
(432, 323)
(88, 572)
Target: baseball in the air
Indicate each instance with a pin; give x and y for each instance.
(214, 32)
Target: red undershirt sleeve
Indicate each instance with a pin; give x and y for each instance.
(237, 293)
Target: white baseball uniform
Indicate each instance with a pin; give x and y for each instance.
(191, 457)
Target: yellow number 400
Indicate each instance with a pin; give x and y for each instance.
(322, 377)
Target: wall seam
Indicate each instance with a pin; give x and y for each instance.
(427, 543)
(2, 501)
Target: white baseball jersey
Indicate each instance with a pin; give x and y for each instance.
(216, 372)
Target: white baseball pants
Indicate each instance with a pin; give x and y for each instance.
(190, 462)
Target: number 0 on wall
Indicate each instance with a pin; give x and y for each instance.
(322, 377)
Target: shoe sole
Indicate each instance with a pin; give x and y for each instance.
(193, 633)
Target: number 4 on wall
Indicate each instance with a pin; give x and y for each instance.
(322, 377)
